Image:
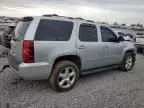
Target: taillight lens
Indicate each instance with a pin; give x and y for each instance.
(28, 51)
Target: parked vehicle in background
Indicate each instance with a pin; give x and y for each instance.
(126, 38)
(62, 48)
(132, 36)
(2, 28)
(126, 33)
(139, 34)
(1, 48)
(6, 38)
(0, 41)
(140, 44)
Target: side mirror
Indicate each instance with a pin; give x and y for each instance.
(121, 38)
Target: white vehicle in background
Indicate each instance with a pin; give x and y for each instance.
(126, 38)
(127, 34)
(140, 44)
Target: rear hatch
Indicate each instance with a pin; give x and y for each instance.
(16, 54)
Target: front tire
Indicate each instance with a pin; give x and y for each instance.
(64, 75)
(127, 62)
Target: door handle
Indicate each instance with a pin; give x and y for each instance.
(82, 47)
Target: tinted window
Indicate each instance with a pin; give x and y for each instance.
(88, 33)
(54, 30)
(21, 29)
(107, 35)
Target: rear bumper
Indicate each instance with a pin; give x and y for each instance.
(32, 71)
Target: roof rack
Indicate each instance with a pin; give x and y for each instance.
(25, 19)
(50, 15)
(79, 18)
(89, 20)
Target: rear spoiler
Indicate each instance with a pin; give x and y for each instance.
(26, 19)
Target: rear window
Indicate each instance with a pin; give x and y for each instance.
(21, 29)
(54, 30)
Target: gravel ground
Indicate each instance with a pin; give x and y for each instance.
(110, 89)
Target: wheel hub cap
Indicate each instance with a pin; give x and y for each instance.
(66, 77)
(129, 62)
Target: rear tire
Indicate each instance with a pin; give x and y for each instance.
(127, 62)
(64, 76)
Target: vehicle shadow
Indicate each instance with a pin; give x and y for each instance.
(41, 85)
(19, 87)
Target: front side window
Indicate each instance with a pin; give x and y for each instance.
(88, 33)
(54, 30)
(107, 35)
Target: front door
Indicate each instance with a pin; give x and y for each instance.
(112, 49)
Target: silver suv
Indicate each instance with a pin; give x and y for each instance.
(62, 48)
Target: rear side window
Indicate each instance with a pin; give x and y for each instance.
(21, 29)
(54, 30)
(88, 33)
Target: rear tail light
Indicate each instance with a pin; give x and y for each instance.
(28, 51)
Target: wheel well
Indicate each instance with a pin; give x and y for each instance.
(131, 51)
(74, 58)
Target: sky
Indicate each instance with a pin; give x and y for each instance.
(121, 11)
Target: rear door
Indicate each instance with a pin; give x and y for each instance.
(88, 46)
(17, 39)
